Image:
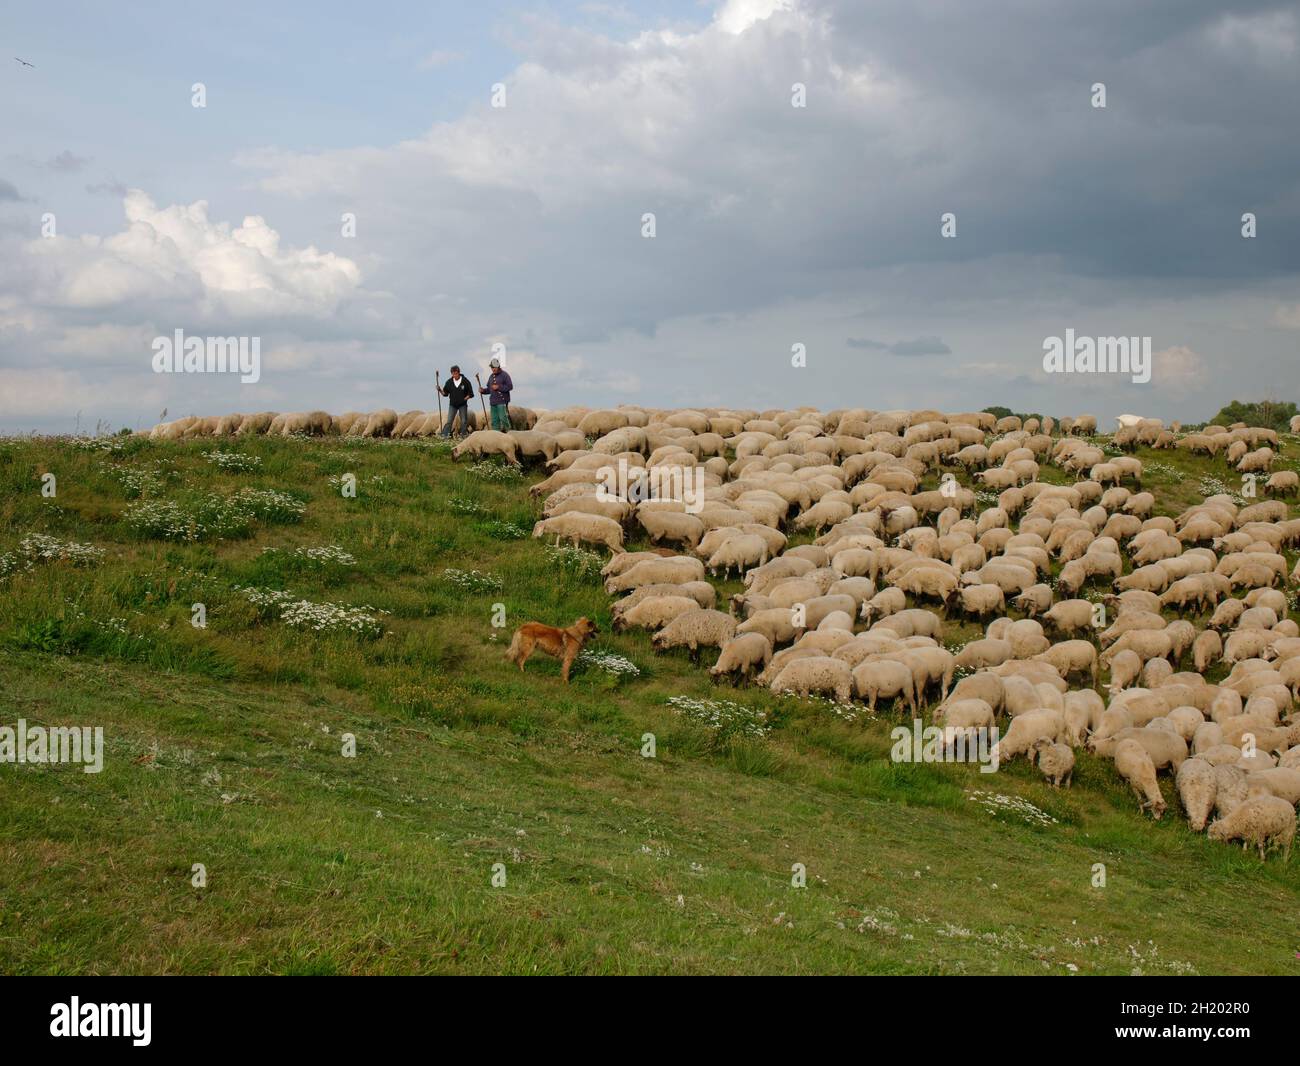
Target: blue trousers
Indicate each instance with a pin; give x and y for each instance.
(461, 412)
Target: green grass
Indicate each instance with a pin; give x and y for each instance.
(223, 747)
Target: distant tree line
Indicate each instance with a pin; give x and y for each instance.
(1267, 413)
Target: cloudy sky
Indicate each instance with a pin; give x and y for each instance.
(774, 225)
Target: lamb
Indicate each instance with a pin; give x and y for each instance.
(816, 675)
(1264, 821)
(673, 570)
(1055, 761)
(1135, 766)
(741, 552)
(486, 442)
(742, 657)
(1197, 786)
(576, 527)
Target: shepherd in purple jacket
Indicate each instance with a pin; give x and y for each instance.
(498, 393)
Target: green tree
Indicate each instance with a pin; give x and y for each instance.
(1269, 414)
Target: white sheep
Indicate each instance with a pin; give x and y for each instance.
(484, 442)
(694, 630)
(1055, 762)
(816, 675)
(743, 656)
(576, 527)
(670, 570)
(1134, 766)
(741, 552)
(1197, 787)
(1025, 731)
(1264, 821)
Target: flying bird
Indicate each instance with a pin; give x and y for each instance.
(25, 63)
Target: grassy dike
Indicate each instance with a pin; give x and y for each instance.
(224, 747)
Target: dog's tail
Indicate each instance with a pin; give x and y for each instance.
(512, 653)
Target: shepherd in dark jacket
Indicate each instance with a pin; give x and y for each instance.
(458, 391)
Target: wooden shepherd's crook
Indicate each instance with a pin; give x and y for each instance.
(438, 380)
(488, 423)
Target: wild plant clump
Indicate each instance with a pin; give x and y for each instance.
(233, 460)
(36, 548)
(213, 517)
(318, 617)
(576, 561)
(723, 715)
(473, 580)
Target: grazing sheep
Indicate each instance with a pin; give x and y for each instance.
(1025, 731)
(1125, 668)
(817, 675)
(1281, 781)
(1264, 821)
(674, 526)
(877, 678)
(694, 630)
(1134, 765)
(576, 527)
(1072, 658)
(655, 612)
(485, 442)
(742, 657)
(1055, 761)
(883, 604)
(980, 654)
(670, 570)
(1206, 649)
(1165, 747)
(1197, 786)
(741, 552)
(1083, 710)
(776, 624)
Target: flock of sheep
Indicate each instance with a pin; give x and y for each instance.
(859, 613)
(383, 423)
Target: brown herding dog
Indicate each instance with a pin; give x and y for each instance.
(562, 644)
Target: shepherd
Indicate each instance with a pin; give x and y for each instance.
(498, 393)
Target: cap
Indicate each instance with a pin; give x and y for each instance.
(494, 363)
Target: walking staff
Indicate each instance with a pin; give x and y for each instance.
(486, 421)
(437, 379)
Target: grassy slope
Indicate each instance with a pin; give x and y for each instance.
(223, 748)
